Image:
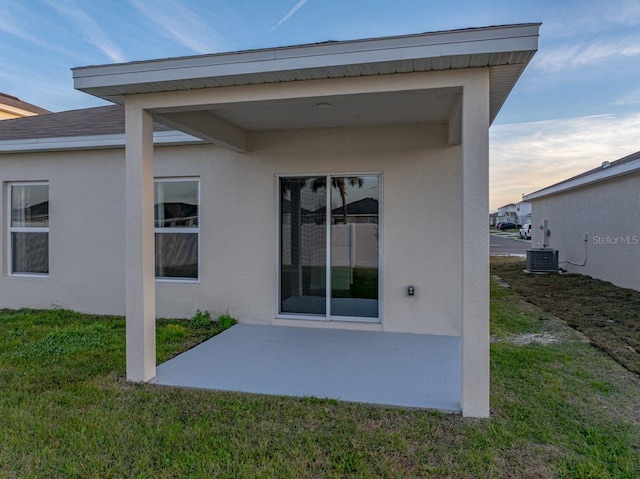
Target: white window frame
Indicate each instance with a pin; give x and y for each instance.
(23, 229)
(170, 179)
(327, 316)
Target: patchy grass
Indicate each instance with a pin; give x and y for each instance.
(608, 315)
(562, 409)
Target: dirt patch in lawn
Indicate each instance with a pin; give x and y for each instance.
(608, 315)
(540, 338)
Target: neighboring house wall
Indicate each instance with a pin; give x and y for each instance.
(507, 213)
(601, 211)
(507, 218)
(238, 224)
(523, 212)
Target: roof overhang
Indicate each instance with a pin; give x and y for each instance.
(504, 50)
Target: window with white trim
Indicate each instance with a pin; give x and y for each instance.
(177, 228)
(28, 241)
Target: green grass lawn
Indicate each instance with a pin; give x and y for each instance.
(560, 408)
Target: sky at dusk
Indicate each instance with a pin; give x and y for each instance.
(576, 105)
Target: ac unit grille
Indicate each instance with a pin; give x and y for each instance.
(542, 260)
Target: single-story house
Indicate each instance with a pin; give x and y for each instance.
(295, 186)
(592, 220)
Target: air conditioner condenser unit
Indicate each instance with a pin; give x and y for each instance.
(542, 260)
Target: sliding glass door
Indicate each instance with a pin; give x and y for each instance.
(329, 247)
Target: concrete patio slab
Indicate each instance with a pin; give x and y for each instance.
(407, 370)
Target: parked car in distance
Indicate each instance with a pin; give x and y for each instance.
(507, 226)
(525, 231)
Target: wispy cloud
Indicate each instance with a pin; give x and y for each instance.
(21, 22)
(591, 18)
(588, 52)
(175, 22)
(630, 98)
(89, 28)
(625, 12)
(288, 15)
(9, 24)
(529, 156)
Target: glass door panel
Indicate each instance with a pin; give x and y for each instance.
(303, 250)
(354, 246)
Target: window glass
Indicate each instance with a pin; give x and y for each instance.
(176, 204)
(176, 228)
(354, 246)
(30, 253)
(303, 219)
(176, 255)
(28, 248)
(30, 205)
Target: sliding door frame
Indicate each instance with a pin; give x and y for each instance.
(328, 316)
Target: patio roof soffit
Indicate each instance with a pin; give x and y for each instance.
(226, 120)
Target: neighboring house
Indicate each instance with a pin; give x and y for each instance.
(517, 213)
(12, 107)
(507, 214)
(523, 212)
(290, 157)
(493, 219)
(587, 220)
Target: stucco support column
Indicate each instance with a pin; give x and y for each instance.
(475, 246)
(139, 244)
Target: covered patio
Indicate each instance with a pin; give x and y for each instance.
(394, 369)
(410, 115)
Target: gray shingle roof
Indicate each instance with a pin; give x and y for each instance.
(103, 120)
(22, 105)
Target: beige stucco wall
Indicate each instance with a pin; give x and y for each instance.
(86, 235)
(608, 213)
(421, 180)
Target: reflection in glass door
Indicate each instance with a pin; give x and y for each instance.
(354, 246)
(303, 247)
(342, 260)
